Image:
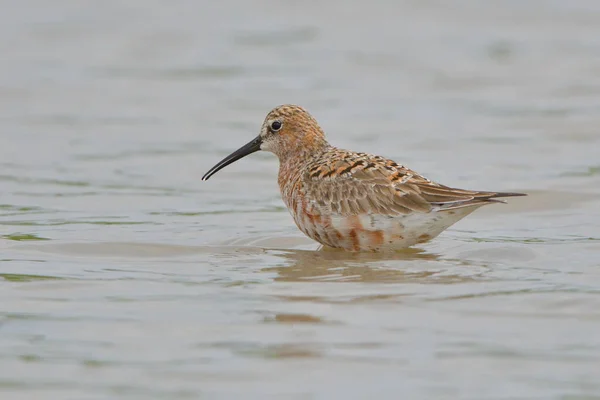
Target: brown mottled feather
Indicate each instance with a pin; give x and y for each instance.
(358, 183)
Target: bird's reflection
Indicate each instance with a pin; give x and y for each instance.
(410, 265)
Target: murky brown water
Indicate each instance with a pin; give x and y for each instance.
(127, 277)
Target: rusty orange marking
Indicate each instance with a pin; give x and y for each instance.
(317, 219)
(338, 235)
(377, 238)
(354, 222)
(310, 217)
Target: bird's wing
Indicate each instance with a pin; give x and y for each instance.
(365, 184)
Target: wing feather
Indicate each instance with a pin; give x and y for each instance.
(364, 184)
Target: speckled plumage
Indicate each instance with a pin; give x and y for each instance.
(355, 201)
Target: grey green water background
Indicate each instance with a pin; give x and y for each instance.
(126, 277)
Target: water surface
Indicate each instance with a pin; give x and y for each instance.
(125, 276)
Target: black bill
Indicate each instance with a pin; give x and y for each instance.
(242, 152)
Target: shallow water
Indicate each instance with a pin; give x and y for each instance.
(125, 276)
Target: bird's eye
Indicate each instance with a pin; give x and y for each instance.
(276, 125)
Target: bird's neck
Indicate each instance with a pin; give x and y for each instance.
(293, 164)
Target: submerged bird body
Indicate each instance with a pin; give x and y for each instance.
(354, 201)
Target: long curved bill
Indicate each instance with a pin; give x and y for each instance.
(242, 152)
